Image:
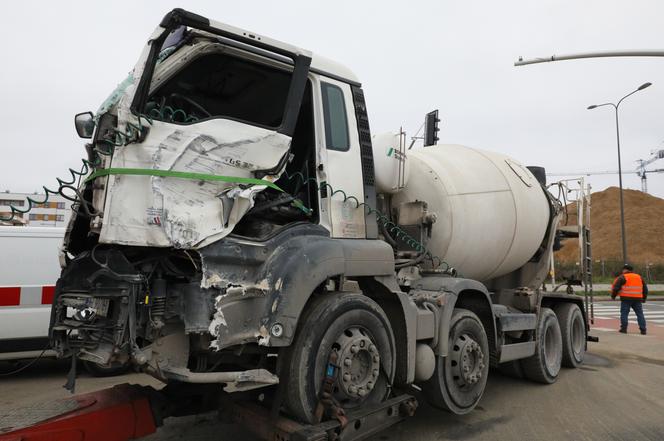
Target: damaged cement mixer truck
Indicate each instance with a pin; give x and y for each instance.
(240, 227)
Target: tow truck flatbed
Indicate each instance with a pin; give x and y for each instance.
(129, 412)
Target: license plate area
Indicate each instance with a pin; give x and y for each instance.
(105, 308)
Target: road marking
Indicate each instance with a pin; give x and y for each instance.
(653, 313)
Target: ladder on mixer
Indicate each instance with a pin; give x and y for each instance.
(585, 247)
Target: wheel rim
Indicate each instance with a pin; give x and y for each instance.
(552, 350)
(467, 361)
(578, 334)
(461, 375)
(359, 365)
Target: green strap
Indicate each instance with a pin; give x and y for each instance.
(190, 175)
(181, 175)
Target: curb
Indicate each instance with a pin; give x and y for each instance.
(608, 299)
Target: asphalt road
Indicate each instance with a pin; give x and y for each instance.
(616, 395)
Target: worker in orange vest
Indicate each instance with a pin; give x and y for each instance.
(633, 292)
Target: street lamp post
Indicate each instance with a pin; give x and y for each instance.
(622, 206)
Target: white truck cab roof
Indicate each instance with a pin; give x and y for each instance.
(327, 66)
(319, 64)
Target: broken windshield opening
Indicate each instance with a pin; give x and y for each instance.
(176, 37)
(219, 85)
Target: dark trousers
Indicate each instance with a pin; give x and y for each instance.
(637, 306)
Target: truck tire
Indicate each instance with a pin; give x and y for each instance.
(573, 330)
(544, 366)
(358, 329)
(460, 378)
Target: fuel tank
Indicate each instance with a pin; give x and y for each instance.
(492, 213)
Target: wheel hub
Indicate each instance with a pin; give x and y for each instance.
(467, 360)
(359, 364)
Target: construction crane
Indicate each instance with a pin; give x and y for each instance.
(589, 173)
(602, 172)
(641, 168)
(641, 172)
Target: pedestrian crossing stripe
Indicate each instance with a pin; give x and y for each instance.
(658, 322)
(653, 313)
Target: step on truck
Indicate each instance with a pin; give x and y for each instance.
(242, 234)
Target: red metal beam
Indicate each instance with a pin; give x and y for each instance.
(121, 413)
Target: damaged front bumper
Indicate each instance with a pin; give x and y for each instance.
(222, 314)
(235, 381)
(171, 313)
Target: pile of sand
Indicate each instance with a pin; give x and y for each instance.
(644, 224)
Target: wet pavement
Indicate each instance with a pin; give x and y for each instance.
(616, 395)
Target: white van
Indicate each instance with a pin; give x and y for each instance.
(29, 269)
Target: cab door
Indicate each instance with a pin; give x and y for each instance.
(339, 155)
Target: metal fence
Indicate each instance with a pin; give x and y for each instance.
(604, 271)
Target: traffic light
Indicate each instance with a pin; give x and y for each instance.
(431, 128)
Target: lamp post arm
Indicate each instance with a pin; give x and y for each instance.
(599, 54)
(628, 95)
(605, 104)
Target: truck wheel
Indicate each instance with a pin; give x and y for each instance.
(544, 366)
(573, 330)
(459, 379)
(358, 330)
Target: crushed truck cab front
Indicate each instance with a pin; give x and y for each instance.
(207, 200)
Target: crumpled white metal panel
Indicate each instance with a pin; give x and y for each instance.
(184, 213)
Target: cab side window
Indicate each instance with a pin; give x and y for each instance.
(336, 121)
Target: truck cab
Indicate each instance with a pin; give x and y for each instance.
(231, 232)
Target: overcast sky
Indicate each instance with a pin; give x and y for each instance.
(60, 58)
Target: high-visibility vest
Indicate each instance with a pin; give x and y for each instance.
(633, 287)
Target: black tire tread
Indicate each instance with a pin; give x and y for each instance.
(565, 312)
(533, 367)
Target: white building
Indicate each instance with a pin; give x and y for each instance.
(54, 213)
